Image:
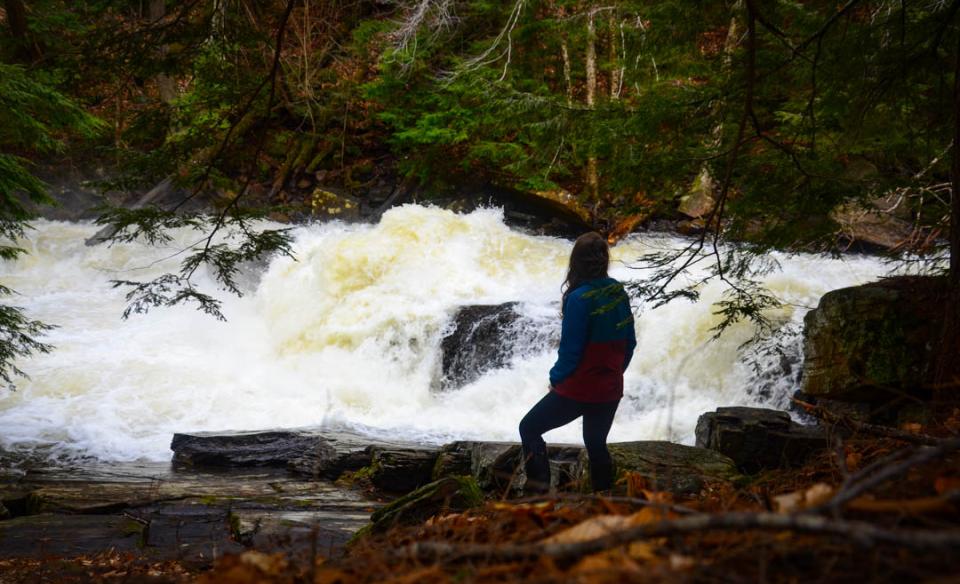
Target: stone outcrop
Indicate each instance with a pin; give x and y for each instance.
(757, 438)
(481, 338)
(495, 466)
(873, 342)
(667, 466)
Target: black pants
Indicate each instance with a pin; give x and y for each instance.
(554, 411)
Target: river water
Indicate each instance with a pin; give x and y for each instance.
(349, 334)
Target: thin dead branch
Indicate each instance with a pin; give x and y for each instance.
(865, 428)
(860, 532)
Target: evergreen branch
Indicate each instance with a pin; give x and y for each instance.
(18, 339)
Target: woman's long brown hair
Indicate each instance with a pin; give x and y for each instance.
(588, 260)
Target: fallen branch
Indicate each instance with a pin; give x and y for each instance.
(860, 532)
(863, 427)
(865, 480)
(945, 502)
(575, 497)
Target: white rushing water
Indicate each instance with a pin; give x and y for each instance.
(350, 333)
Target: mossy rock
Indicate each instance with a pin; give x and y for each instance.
(331, 205)
(451, 493)
(873, 342)
(680, 469)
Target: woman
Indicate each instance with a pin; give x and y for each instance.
(596, 343)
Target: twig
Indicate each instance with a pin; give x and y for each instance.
(873, 429)
(864, 481)
(679, 509)
(859, 532)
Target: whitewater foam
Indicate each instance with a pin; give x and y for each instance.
(349, 333)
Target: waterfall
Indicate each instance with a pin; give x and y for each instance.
(349, 334)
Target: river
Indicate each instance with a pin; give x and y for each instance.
(349, 334)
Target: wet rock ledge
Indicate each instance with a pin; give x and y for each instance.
(161, 512)
(399, 467)
(296, 490)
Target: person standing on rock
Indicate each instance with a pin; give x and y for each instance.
(597, 340)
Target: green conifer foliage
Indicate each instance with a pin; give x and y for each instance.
(33, 119)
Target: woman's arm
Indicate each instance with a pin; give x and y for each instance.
(573, 338)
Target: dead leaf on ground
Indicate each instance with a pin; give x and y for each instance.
(602, 525)
(815, 495)
(946, 484)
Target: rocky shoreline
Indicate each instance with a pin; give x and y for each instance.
(310, 490)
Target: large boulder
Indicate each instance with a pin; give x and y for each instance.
(684, 470)
(481, 338)
(872, 342)
(758, 438)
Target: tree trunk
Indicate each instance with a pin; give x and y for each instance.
(955, 183)
(157, 9)
(947, 377)
(566, 71)
(700, 198)
(616, 68)
(593, 181)
(27, 50)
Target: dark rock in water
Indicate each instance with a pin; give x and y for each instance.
(476, 343)
(485, 337)
(873, 342)
(4, 513)
(455, 493)
(758, 438)
(246, 449)
(667, 466)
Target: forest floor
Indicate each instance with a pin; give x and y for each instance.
(874, 509)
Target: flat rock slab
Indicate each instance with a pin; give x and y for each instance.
(395, 465)
(245, 449)
(68, 535)
(166, 513)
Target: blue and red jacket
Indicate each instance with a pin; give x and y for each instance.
(597, 340)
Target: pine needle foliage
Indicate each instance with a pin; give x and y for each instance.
(33, 118)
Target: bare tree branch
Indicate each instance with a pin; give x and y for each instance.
(859, 532)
